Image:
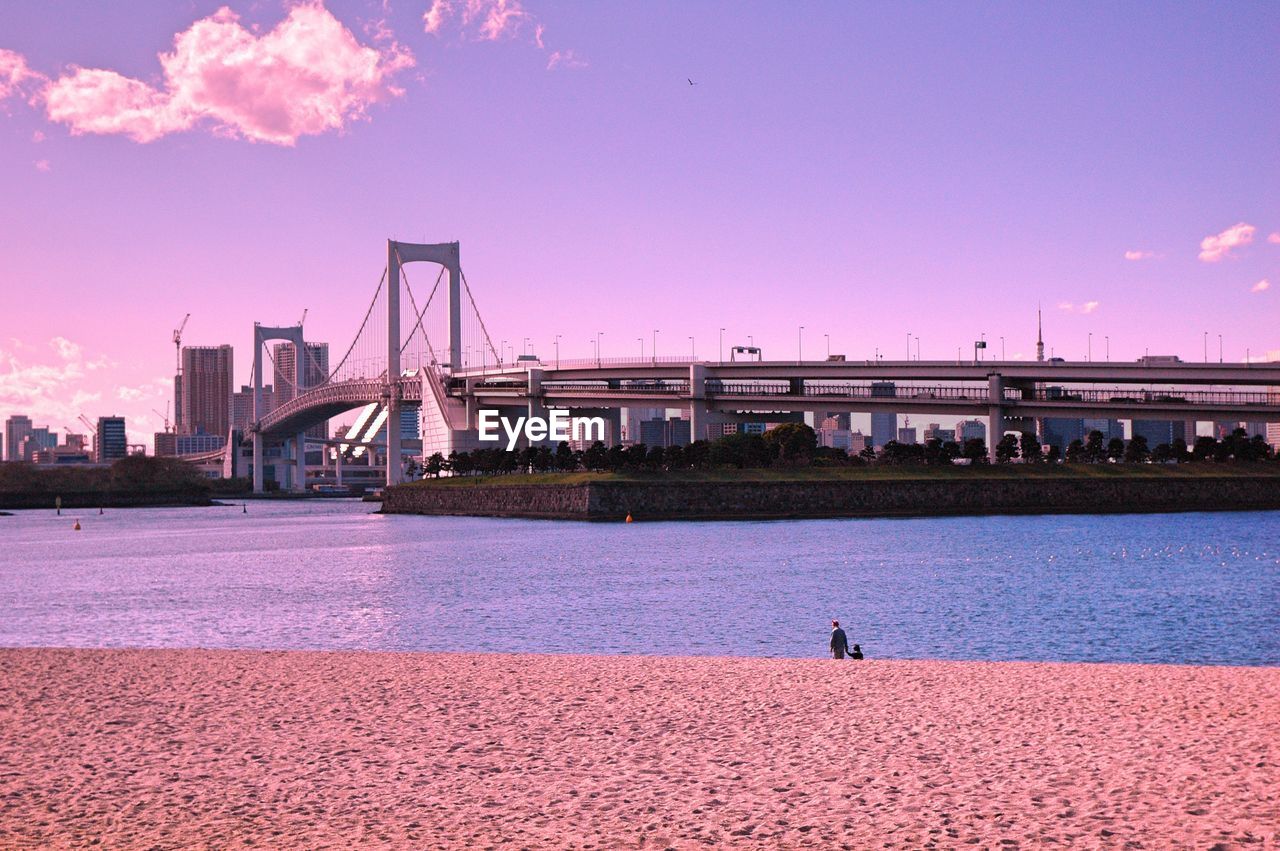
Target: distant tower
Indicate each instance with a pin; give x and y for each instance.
(1039, 336)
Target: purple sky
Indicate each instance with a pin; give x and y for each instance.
(866, 170)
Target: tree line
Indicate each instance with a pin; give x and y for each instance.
(796, 445)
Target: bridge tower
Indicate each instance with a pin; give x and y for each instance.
(291, 334)
(444, 254)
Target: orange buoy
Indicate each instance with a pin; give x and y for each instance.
(629, 520)
(76, 528)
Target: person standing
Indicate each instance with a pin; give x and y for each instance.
(839, 641)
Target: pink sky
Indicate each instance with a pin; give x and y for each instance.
(865, 171)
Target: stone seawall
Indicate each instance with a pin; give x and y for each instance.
(874, 498)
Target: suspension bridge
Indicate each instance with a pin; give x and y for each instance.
(425, 352)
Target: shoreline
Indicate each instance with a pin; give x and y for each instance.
(614, 500)
(174, 748)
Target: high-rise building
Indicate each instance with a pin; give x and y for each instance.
(841, 420)
(1060, 431)
(16, 428)
(907, 434)
(1160, 431)
(969, 429)
(884, 425)
(634, 417)
(164, 443)
(110, 442)
(314, 372)
(834, 438)
(242, 406)
(207, 384)
(1273, 435)
(36, 441)
(1109, 428)
(936, 432)
(1255, 428)
(663, 432)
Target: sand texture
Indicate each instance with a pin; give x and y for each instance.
(230, 749)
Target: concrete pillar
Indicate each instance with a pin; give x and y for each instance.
(337, 466)
(995, 413)
(258, 411)
(258, 449)
(300, 461)
(394, 476)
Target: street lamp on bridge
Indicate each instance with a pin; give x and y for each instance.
(692, 351)
(640, 340)
(720, 352)
(655, 346)
(557, 343)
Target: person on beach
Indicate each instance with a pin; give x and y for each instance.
(839, 641)
(856, 653)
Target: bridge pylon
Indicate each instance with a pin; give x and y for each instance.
(444, 254)
(291, 334)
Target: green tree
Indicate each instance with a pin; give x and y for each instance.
(1075, 451)
(675, 459)
(791, 443)
(434, 465)
(1030, 447)
(975, 449)
(655, 458)
(596, 457)
(1115, 449)
(1179, 451)
(1054, 456)
(565, 461)
(1094, 449)
(1137, 452)
(1007, 448)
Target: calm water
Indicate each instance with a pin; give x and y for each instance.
(1194, 588)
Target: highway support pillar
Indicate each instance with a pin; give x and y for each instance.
(995, 413)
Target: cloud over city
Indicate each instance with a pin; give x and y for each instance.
(1139, 255)
(1216, 247)
(1261, 287)
(306, 76)
(1083, 307)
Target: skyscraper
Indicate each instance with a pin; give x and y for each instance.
(1160, 431)
(110, 441)
(884, 425)
(314, 372)
(16, 428)
(1060, 431)
(207, 384)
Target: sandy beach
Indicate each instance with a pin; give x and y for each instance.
(169, 749)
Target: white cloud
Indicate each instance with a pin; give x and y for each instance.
(1139, 255)
(42, 165)
(1214, 248)
(1083, 307)
(1261, 286)
(16, 77)
(565, 59)
(308, 75)
(1274, 238)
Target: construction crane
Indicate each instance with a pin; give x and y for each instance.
(165, 415)
(177, 344)
(304, 317)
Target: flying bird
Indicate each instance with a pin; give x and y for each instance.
(691, 82)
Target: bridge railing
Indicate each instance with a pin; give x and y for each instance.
(1129, 395)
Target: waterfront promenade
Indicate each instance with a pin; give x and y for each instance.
(183, 748)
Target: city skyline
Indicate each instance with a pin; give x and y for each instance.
(876, 176)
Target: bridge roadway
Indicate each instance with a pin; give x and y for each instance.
(1020, 389)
